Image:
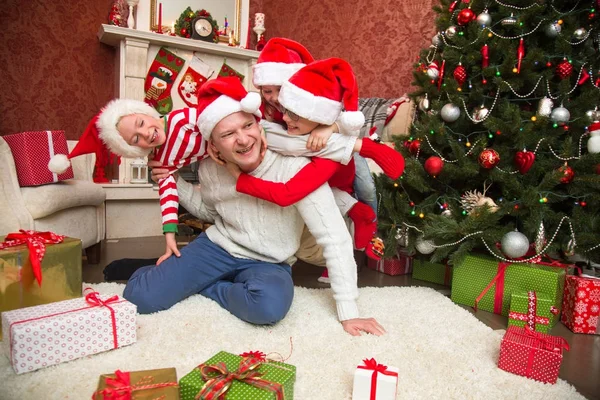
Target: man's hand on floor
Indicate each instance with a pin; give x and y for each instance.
(368, 325)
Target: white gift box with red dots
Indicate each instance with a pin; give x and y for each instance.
(49, 334)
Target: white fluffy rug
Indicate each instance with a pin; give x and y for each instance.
(442, 351)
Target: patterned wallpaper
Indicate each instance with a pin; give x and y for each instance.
(57, 75)
(55, 72)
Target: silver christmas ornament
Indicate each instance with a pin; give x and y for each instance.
(540, 239)
(545, 107)
(433, 71)
(593, 115)
(451, 31)
(553, 29)
(402, 236)
(593, 143)
(579, 34)
(437, 40)
(450, 112)
(515, 244)
(569, 249)
(424, 246)
(480, 113)
(447, 213)
(509, 21)
(424, 104)
(484, 19)
(560, 115)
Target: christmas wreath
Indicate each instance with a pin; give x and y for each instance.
(183, 26)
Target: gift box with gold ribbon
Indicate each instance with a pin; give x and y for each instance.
(38, 268)
(139, 385)
(541, 306)
(242, 377)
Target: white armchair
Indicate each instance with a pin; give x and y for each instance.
(74, 207)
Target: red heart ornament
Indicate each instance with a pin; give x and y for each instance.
(524, 161)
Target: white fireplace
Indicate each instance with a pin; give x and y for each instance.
(132, 210)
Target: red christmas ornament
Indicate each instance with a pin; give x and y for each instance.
(564, 69)
(548, 64)
(568, 174)
(597, 169)
(520, 54)
(584, 77)
(414, 147)
(183, 31)
(441, 76)
(460, 74)
(434, 165)
(489, 158)
(465, 16)
(452, 6)
(524, 161)
(485, 56)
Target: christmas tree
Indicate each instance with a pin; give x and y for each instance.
(504, 152)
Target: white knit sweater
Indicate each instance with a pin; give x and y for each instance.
(251, 228)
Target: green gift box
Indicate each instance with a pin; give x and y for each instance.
(545, 313)
(61, 275)
(271, 371)
(432, 272)
(477, 273)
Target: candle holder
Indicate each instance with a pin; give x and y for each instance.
(139, 171)
(131, 19)
(260, 40)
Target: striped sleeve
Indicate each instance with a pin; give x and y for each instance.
(169, 203)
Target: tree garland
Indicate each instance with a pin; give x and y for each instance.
(183, 26)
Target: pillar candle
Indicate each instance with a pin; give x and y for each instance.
(159, 17)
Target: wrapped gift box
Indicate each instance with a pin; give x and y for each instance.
(432, 272)
(400, 264)
(146, 385)
(490, 283)
(32, 152)
(581, 304)
(40, 336)
(61, 275)
(545, 313)
(272, 371)
(531, 354)
(374, 381)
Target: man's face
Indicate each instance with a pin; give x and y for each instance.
(237, 139)
(142, 130)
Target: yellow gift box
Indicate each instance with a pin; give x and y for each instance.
(139, 385)
(61, 275)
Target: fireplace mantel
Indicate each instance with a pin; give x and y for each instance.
(136, 50)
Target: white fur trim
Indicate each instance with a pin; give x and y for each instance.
(251, 102)
(273, 73)
(216, 111)
(307, 105)
(352, 120)
(59, 164)
(110, 117)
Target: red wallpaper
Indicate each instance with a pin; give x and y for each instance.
(55, 74)
(380, 39)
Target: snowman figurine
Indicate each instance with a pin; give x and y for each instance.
(593, 143)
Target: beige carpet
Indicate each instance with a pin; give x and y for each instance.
(442, 351)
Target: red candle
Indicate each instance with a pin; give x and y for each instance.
(159, 17)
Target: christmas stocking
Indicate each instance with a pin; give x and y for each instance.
(226, 70)
(195, 75)
(160, 78)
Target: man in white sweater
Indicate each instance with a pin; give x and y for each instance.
(243, 260)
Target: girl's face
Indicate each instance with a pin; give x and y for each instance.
(298, 125)
(142, 130)
(271, 95)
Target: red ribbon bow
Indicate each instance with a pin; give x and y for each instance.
(372, 365)
(120, 387)
(255, 354)
(92, 298)
(35, 242)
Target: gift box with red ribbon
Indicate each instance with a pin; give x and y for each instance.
(149, 384)
(373, 381)
(247, 376)
(32, 152)
(521, 303)
(487, 283)
(531, 354)
(40, 336)
(400, 264)
(38, 268)
(581, 304)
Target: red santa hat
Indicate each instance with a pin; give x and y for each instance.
(278, 61)
(102, 136)
(319, 91)
(221, 97)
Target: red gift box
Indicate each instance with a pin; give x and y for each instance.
(531, 354)
(400, 264)
(581, 304)
(32, 152)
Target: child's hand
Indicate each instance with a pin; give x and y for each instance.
(171, 248)
(318, 137)
(233, 169)
(157, 173)
(215, 155)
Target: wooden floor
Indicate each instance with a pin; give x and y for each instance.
(580, 366)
